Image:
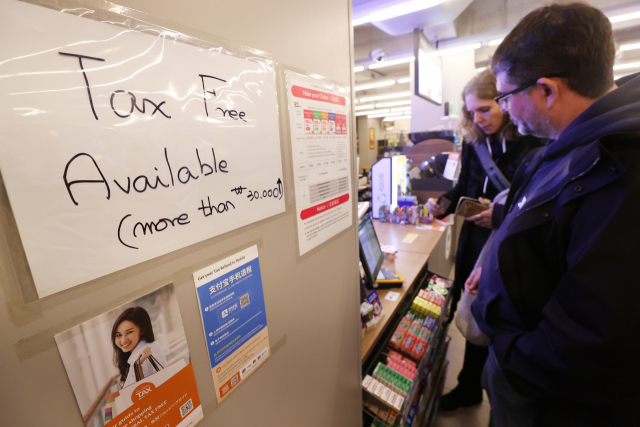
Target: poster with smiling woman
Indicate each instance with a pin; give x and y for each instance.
(130, 366)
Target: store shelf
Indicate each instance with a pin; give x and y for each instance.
(437, 347)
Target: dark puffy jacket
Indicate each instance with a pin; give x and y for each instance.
(471, 184)
(559, 292)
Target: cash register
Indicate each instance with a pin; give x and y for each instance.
(372, 257)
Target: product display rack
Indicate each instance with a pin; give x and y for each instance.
(436, 348)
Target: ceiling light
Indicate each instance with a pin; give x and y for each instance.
(495, 42)
(364, 107)
(456, 49)
(358, 68)
(401, 109)
(383, 114)
(392, 118)
(629, 47)
(390, 63)
(481, 69)
(396, 10)
(393, 104)
(405, 80)
(374, 85)
(407, 113)
(387, 96)
(626, 66)
(363, 113)
(625, 17)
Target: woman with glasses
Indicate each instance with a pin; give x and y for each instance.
(484, 128)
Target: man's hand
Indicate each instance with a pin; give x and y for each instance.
(483, 219)
(471, 285)
(434, 208)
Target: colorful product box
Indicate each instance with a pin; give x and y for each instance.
(429, 323)
(308, 121)
(397, 338)
(419, 347)
(324, 116)
(332, 123)
(408, 342)
(317, 122)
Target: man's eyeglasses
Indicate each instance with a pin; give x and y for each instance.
(503, 99)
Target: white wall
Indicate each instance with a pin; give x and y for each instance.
(457, 70)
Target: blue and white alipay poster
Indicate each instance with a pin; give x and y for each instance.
(234, 318)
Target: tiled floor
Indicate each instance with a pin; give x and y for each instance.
(477, 416)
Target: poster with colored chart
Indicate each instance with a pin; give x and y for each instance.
(321, 152)
(130, 366)
(234, 318)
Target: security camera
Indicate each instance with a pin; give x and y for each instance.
(378, 55)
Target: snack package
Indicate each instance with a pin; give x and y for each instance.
(418, 348)
(397, 338)
(382, 213)
(408, 342)
(414, 328)
(404, 324)
(394, 355)
(429, 323)
(424, 334)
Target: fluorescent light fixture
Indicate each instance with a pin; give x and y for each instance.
(396, 10)
(401, 109)
(456, 49)
(405, 80)
(625, 17)
(358, 68)
(629, 47)
(374, 85)
(387, 96)
(364, 107)
(626, 66)
(495, 42)
(407, 113)
(383, 114)
(393, 104)
(481, 69)
(392, 62)
(392, 118)
(372, 113)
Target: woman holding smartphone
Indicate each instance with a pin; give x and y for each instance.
(133, 341)
(483, 124)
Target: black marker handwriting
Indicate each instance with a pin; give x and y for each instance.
(80, 57)
(205, 91)
(238, 190)
(220, 208)
(78, 181)
(134, 105)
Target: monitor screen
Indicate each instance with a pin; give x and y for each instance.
(370, 252)
(428, 70)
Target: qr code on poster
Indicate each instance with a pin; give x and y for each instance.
(184, 409)
(234, 380)
(244, 300)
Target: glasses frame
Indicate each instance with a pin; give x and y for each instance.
(502, 99)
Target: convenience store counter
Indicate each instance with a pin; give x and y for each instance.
(411, 259)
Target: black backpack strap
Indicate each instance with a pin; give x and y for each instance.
(493, 172)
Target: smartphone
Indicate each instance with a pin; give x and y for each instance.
(444, 203)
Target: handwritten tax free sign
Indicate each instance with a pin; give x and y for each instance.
(117, 146)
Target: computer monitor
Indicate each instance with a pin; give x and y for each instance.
(370, 253)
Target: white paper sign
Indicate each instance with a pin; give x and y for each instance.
(392, 296)
(451, 169)
(318, 116)
(118, 146)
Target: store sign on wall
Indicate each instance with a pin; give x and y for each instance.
(118, 146)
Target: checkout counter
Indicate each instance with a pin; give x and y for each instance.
(412, 261)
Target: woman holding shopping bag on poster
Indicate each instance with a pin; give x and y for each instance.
(491, 153)
(136, 352)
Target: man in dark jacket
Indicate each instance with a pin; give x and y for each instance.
(558, 296)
